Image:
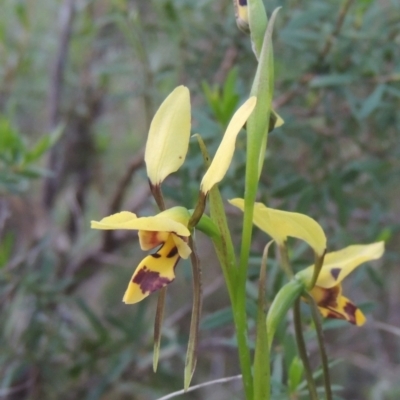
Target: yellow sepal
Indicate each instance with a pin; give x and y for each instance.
(168, 139)
(224, 154)
(160, 222)
(281, 224)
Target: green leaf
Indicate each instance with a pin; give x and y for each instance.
(332, 80)
(295, 374)
(217, 319)
(280, 306)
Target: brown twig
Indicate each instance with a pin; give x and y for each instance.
(117, 198)
(54, 98)
(338, 26)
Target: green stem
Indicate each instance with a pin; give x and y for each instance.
(285, 263)
(321, 345)
(303, 351)
(226, 256)
(261, 366)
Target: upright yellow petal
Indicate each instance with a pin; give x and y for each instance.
(183, 248)
(224, 154)
(339, 264)
(153, 273)
(281, 224)
(168, 140)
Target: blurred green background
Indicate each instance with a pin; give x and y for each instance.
(79, 83)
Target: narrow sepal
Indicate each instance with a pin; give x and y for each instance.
(158, 320)
(223, 157)
(191, 354)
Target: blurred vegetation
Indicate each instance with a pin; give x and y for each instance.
(79, 83)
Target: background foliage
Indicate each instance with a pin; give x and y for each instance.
(79, 83)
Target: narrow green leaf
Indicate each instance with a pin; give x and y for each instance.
(295, 374)
(280, 306)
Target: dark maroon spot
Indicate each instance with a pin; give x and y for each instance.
(334, 315)
(156, 255)
(173, 252)
(243, 2)
(149, 281)
(330, 297)
(350, 310)
(335, 273)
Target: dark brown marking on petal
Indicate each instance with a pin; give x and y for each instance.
(173, 252)
(243, 2)
(150, 281)
(335, 273)
(334, 315)
(156, 255)
(350, 309)
(330, 297)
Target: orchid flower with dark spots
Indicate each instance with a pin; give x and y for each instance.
(168, 229)
(327, 292)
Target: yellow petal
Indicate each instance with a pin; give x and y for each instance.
(224, 154)
(153, 273)
(346, 310)
(169, 134)
(339, 264)
(281, 224)
(183, 248)
(160, 222)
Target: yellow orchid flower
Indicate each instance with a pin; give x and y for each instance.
(168, 229)
(327, 292)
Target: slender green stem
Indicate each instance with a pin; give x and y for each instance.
(303, 351)
(261, 367)
(226, 255)
(285, 263)
(321, 344)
